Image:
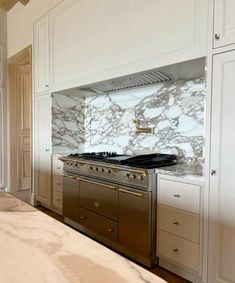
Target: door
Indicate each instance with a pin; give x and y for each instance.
(2, 139)
(222, 182)
(41, 55)
(135, 220)
(20, 116)
(224, 22)
(42, 151)
(25, 129)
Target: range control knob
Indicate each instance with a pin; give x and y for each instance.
(139, 177)
(102, 170)
(97, 169)
(133, 176)
(109, 171)
(128, 175)
(91, 168)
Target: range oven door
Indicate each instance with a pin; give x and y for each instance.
(71, 203)
(135, 229)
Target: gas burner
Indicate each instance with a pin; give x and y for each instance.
(101, 156)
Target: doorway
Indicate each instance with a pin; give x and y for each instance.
(20, 123)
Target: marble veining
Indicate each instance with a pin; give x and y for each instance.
(36, 248)
(105, 122)
(68, 117)
(175, 110)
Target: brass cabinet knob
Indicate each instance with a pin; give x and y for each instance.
(176, 223)
(175, 250)
(110, 230)
(82, 217)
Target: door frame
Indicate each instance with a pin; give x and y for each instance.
(14, 63)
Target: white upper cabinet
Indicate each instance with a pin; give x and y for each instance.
(222, 182)
(109, 38)
(41, 55)
(224, 22)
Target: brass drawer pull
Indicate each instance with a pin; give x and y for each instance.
(82, 217)
(131, 193)
(96, 183)
(58, 184)
(110, 230)
(58, 199)
(175, 250)
(96, 204)
(176, 223)
(177, 196)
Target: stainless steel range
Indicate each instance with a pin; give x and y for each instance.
(113, 198)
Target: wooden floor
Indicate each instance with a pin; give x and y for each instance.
(161, 272)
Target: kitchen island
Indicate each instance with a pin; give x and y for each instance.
(36, 248)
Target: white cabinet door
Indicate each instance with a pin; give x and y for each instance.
(89, 41)
(42, 150)
(222, 183)
(224, 22)
(41, 55)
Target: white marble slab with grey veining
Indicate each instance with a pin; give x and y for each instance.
(37, 248)
(105, 122)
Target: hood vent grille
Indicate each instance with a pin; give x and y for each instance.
(132, 81)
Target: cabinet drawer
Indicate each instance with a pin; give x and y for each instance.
(57, 183)
(99, 197)
(179, 250)
(179, 195)
(99, 224)
(179, 222)
(57, 199)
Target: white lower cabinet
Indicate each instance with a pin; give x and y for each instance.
(179, 226)
(222, 181)
(57, 183)
(42, 148)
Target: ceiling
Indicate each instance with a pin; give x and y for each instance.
(8, 4)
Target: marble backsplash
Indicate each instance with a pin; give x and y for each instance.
(105, 122)
(68, 120)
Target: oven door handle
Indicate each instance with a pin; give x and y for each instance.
(131, 193)
(96, 183)
(70, 176)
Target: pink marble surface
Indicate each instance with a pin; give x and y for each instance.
(35, 248)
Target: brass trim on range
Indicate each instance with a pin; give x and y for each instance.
(70, 176)
(111, 166)
(96, 183)
(131, 193)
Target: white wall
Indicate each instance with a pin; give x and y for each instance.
(20, 23)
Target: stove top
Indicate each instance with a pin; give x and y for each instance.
(146, 161)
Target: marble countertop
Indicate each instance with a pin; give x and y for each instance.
(192, 171)
(37, 248)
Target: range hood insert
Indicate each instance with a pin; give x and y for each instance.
(131, 81)
(186, 70)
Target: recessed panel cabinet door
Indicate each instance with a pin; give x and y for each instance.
(88, 39)
(222, 183)
(41, 55)
(42, 150)
(224, 22)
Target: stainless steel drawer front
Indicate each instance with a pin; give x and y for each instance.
(98, 197)
(99, 224)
